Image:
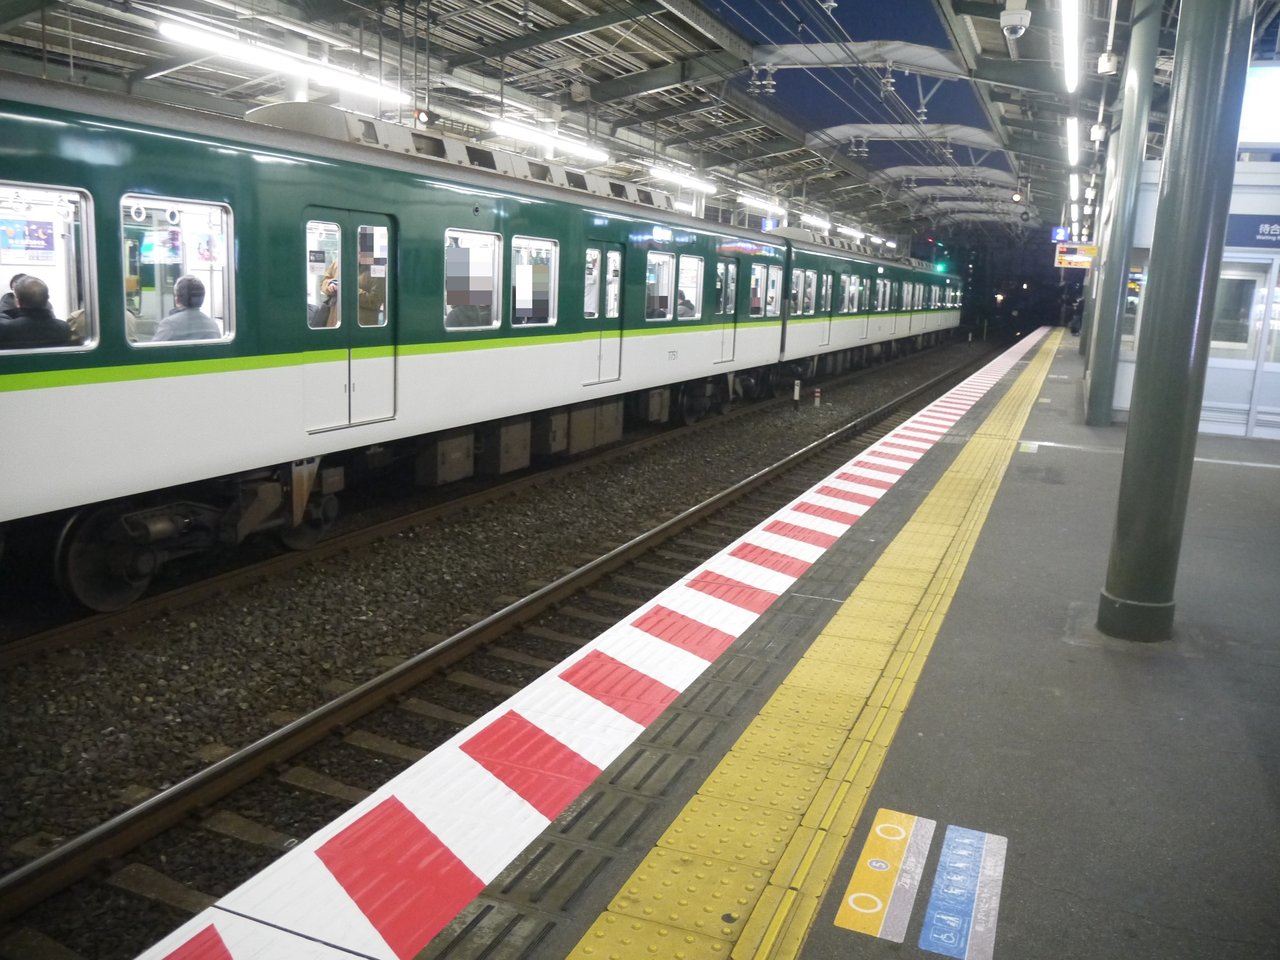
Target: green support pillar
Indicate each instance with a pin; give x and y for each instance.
(1210, 61)
(1124, 171)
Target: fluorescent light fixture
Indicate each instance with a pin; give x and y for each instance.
(1074, 184)
(813, 221)
(877, 240)
(750, 201)
(1073, 141)
(850, 232)
(675, 176)
(891, 244)
(516, 131)
(1071, 43)
(1075, 212)
(684, 206)
(274, 60)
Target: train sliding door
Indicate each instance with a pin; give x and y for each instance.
(602, 313)
(727, 307)
(351, 368)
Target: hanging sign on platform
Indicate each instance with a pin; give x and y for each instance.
(1079, 255)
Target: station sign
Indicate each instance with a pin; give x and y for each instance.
(1250, 230)
(1061, 235)
(1077, 255)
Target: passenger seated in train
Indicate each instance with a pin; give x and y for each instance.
(9, 301)
(684, 306)
(31, 322)
(187, 321)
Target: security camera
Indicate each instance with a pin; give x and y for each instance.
(1014, 23)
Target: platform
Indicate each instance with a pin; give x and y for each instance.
(881, 724)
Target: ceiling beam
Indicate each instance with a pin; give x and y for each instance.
(496, 51)
(709, 67)
(15, 12)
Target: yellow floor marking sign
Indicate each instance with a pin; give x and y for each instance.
(882, 890)
(857, 678)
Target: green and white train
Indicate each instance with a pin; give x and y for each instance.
(490, 308)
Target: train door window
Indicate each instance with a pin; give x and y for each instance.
(797, 289)
(46, 234)
(659, 285)
(759, 280)
(613, 284)
(689, 292)
(773, 293)
(324, 253)
(534, 281)
(726, 286)
(810, 292)
(371, 265)
(472, 279)
(591, 285)
(181, 292)
(882, 294)
(846, 293)
(825, 303)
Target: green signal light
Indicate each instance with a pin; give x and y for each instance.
(939, 268)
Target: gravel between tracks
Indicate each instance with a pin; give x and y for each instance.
(81, 726)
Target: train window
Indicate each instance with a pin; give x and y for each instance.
(726, 286)
(689, 294)
(371, 267)
(659, 285)
(177, 281)
(591, 285)
(882, 294)
(825, 302)
(613, 284)
(846, 294)
(773, 293)
(759, 273)
(472, 279)
(46, 234)
(534, 279)
(324, 251)
(797, 289)
(810, 292)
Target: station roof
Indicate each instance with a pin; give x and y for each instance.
(900, 117)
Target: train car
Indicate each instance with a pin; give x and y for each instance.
(370, 289)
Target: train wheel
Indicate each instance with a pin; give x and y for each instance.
(96, 565)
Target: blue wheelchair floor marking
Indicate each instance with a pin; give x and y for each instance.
(960, 920)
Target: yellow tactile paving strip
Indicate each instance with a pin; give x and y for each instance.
(742, 869)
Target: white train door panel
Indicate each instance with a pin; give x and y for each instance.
(602, 312)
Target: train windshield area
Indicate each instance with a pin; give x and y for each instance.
(45, 240)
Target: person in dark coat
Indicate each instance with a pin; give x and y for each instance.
(32, 323)
(188, 321)
(9, 302)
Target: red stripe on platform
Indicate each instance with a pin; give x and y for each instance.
(408, 883)
(865, 499)
(205, 945)
(764, 557)
(913, 435)
(827, 513)
(683, 632)
(635, 695)
(866, 481)
(902, 446)
(735, 591)
(881, 467)
(877, 452)
(797, 532)
(546, 773)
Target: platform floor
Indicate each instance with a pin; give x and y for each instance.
(921, 747)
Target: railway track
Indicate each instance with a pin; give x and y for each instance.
(179, 848)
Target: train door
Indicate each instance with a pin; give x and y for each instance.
(351, 373)
(602, 312)
(727, 306)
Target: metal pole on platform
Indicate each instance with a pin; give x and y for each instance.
(1210, 61)
(1124, 162)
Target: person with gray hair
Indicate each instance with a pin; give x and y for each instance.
(31, 323)
(187, 321)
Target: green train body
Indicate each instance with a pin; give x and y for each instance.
(474, 312)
